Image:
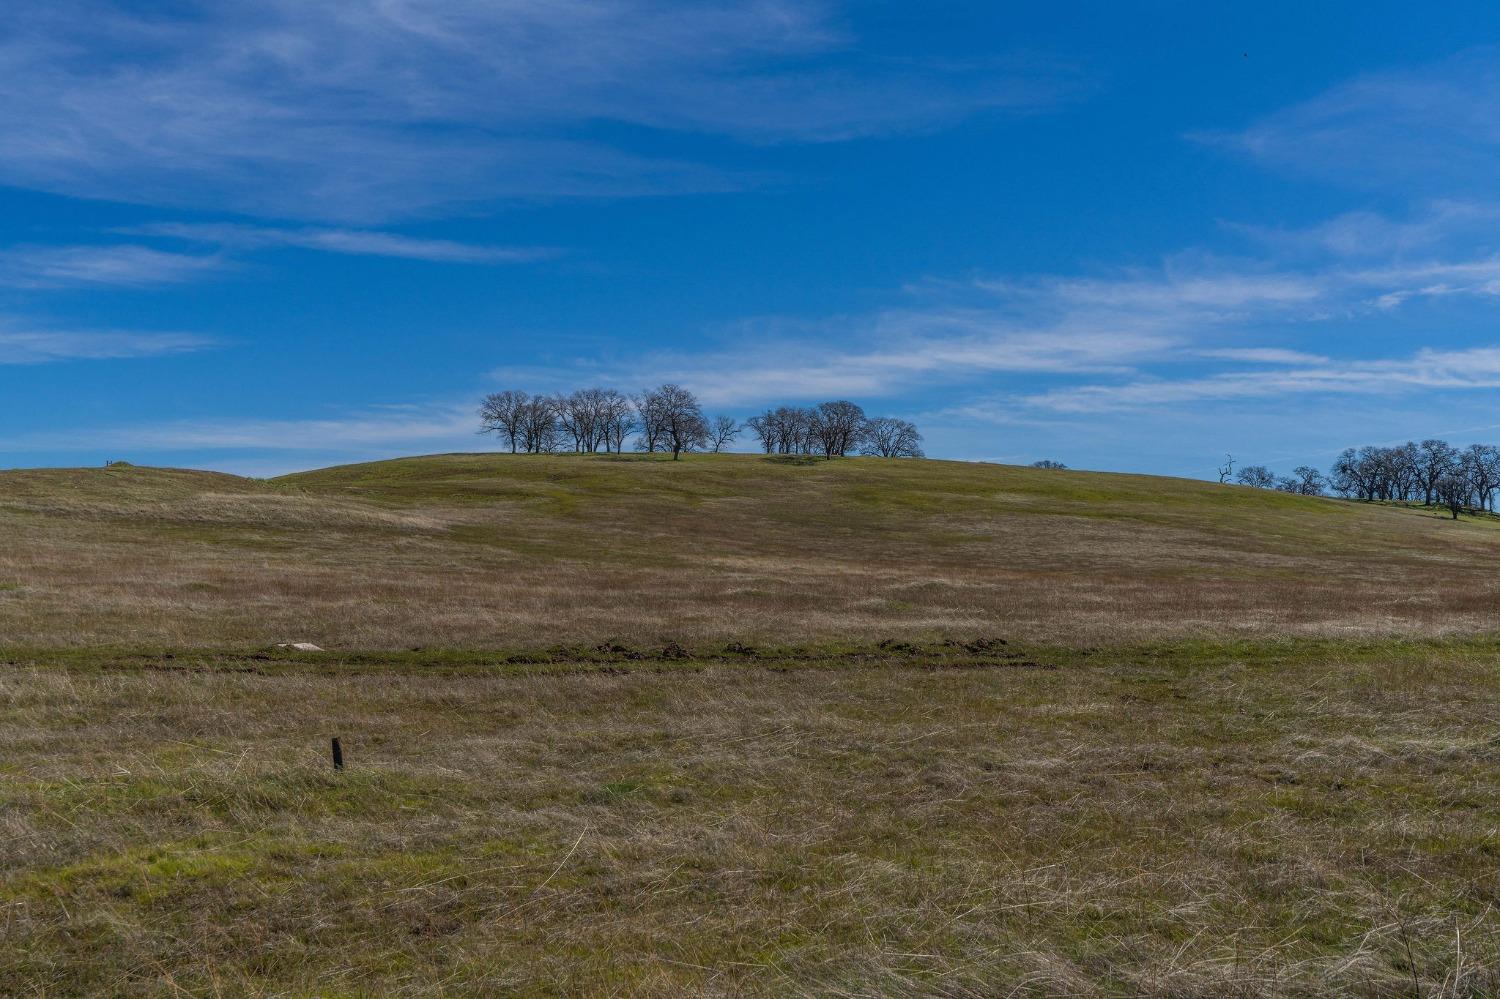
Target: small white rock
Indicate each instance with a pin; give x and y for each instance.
(299, 646)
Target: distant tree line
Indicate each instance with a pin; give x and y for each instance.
(669, 418)
(834, 430)
(1434, 473)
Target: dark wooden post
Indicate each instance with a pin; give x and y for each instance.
(338, 754)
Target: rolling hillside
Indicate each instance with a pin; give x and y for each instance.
(934, 729)
(484, 550)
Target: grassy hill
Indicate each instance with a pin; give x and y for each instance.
(932, 729)
(484, 550)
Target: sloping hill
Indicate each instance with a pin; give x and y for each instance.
(489, 550)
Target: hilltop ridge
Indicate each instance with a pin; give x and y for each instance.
(484, 550)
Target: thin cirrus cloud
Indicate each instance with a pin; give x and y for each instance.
(1144, 332)
(380, 429)
(377, 109)
(1433, 226)
(1192, 332)
(359, 242)
(960, 333)
(1477, 368)
(1434, 130)
(127, 265)
(24, 344)
(1263, 355)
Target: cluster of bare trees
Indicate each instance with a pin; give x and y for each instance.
(1433, 472)
(1304, 480)
(669, 418)
(593, 419)
(834, 430)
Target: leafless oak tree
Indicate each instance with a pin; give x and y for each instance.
(1309, 481)
(1481, 466)
(619, 421)
(502, 413)
(723, 432)
(887, 437)
(1435, 459)
(836, 427)
(764, 431)
(649, 422)
(538, 426)
(1258, 476)
(1452, 491)
(677, 417)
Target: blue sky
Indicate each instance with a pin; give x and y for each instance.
(263, 237)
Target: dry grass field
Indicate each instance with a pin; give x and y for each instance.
(1301, 819)
(733, 726)
(477, 551)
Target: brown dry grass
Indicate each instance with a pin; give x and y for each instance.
(492, 550)
(1293, 819)
(1280, 815)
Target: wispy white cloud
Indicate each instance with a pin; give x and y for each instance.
(1194, 331)
(1432, 227)
(1190, 311)
(361, 242)
(1433, 130)
(392, 427)
(1262, 355)
(38, 266)
(373, 109)
(1118, 344)
(877, 356)
(1476, 368)
(22, 345)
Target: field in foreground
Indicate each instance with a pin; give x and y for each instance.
(1298, 818)
(486, 550)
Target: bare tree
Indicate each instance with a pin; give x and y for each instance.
(619, 420)
(1310, 481)
(585, 416)
(723, 432)
(797, 429)
(571, 418)
(886, 437)
(1435, 459)
(1481, 465)
(764, 429)
(1348, 476)
(1258, 476)
(538, 426)
(1452, 491)
(1226, 469)
(502, 413)
(648, 412)
(678, 416)
(1403, 474)
(784, 430)
(836, 427)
